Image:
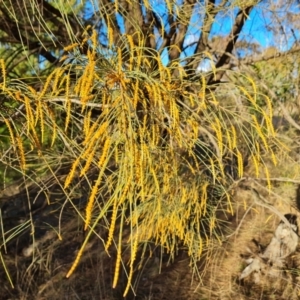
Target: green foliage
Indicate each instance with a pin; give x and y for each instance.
(146, 130)
(159, 146)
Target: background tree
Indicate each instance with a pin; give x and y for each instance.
(141, 114)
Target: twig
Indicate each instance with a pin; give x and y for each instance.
(260, 200)
(279, 179)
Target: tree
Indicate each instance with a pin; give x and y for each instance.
(142, 106)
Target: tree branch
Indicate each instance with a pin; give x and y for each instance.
(210, 13)
(236, 30)
(183, 22)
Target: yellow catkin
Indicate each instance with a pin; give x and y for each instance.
(155, 181)
(11, 134)
(104, 152)
(3, 71)
(78, 86)
(203, 87)
(253, 88)
(17, 95)
(110, 33)
(149, 91)
(217, 128)
(75, 264)
(269, 104)
(195, 131)
(72, 172)
(134, 248)
(268, 122)
(160, 67)
(259, 132)
(86, 30)
(154, 135)
(146, 4)
(91, 145)
(90, 133)
(221, 165)
(119, 251)
(169, 6)
(220, 136)
(131, 51)
(94, 39)
(83, 42)
(57, 79)
(63, 58)
(112, 225)
(145, 122)
(120, 60)
(141, 180)
(125, 190)
(183, 198)
(87, 123)
(101, 131)
(175, 113)
(137, 161)
(46, 85)
(168, 72)
(256, 165)
(32, 90)
(70, 47)
(229, 141)
(274, 159)
(200, 248)
(88, 83)
(88, 163)
(85, 77)
(258, 153)
(249, 97)
(21, 153)
(118, 263)
(123, 122)
(240, 164)
(136, 95)
(268, 178)
(166, 183)
(116, 5)
(214, 99)
(90, 205)
(204, 197)
(68, 103)
(156, 98)
(36, 141)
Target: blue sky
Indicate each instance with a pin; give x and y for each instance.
(256, 30)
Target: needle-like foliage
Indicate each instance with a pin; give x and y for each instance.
(159, 143)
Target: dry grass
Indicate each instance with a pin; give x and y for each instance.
(254, 223)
